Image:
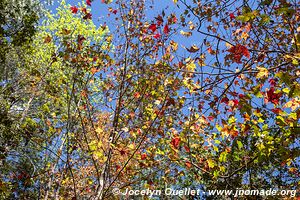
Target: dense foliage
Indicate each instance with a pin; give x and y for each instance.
(196, 94)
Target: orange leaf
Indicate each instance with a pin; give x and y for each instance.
(188, 164)
(137, 95)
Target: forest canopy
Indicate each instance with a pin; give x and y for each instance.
(100, 97)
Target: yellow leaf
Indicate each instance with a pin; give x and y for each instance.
(131, 146)
(293, 104)
(222, 168)
(191, 66)
(262, 72)
(286, 90)
(228, 45)
(210, 163)
(244, 36)
(186, 34)
(192, 26)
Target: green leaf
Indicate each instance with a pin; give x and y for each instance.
(217, 141)
(223, 156)
(240, 144)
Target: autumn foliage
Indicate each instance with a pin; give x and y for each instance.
(188, 94)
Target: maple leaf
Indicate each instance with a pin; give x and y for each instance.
(211, 118)
(74, 9)
(122, 152)
(65, 31)
(47, 39)
(137, 95)
(188, 164)
(224, 100)
(262, 72)
(174, 19)
(231, 15)
(233, 133)
(157, 36)
(94, 70)
(241, 96)
(193, 49)
(166, 29)
(80, 39)
(88, 16)
(114, 11)
(276, 110)
(88, 2)
(187, 149)
(118, 167)
(186, 34)
(238, 51)
(244, 35)
(84, 10)
(273, 82)
(175, 142)
(159, 20)
(143, 156)
(210, 51)
(271, 96)
(235, 102)
(152, 27)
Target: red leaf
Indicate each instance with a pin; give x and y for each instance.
(272, 82)
(84, 10)
(276, 110)
(245, 52)
(159, 20)
(235, 102)
(143, 156)
(122, 152)
(88, 16)
(175, 142)
(238, 51)
(187, 149)
(114, 11)
(231, 15)
(152, 27)
(139, 131)
(241, 96)
(224, 100)
(157, 36)
(74, 9)
(211, 118)
(166, 29)
(88, 2)
(174, 19)
(271, 96)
